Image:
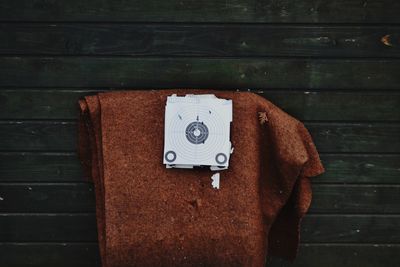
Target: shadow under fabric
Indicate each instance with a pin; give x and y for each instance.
(148, 215)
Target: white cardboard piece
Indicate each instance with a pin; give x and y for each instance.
(197, 131)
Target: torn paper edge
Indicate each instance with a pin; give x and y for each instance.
(215, 180)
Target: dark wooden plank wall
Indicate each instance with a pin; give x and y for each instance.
(333, 64)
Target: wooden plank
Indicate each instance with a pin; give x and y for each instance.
(329, 137)
(338, 106)
(344, 255)
(40, 104)
(79, 197)
(181, 72)
(383, 199)
(306, 11)
(50, 254)
(199, 40)
(304, 105)
(65, 167)
(350, 229)
(52, 197)
(310, 255)
(48, 228)
(315, 228)
(36, 136)
(357, 137)
(40, 167)
(350, 168)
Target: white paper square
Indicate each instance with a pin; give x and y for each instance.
(197, 131)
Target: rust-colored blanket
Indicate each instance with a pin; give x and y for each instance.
(148, 215)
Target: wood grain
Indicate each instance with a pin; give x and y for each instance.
(192, 72)
(337, 62)
(48, 228)
(344, 255)
(306, 11)
(61, 254)
(221, 40)
(362, 168)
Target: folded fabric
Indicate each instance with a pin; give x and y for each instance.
(148, 215)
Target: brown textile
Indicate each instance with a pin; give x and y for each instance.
(148, 215)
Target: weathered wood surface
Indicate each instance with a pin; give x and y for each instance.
(344, 255)
(40, 167)
(48, 227)
(79, 197)
(304, 105)
(329, 137)
(190, 72)
(306, 11)
(333, 64)
(199, 40)
(53, 197)
(311, 255)
(65, 167)
(45, 254)
(361, 168)
(315, 229)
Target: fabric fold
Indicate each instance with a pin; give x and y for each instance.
(290, 147)
(148, 215)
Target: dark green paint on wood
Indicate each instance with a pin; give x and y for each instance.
(283, 11)
(62, 254)
(179, 72)
(199, 40)
(343, 255)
